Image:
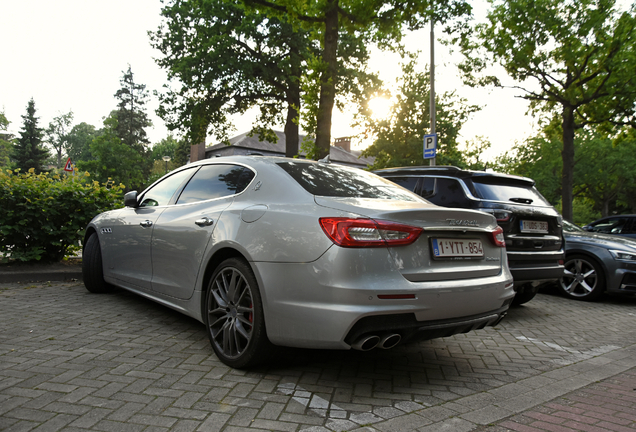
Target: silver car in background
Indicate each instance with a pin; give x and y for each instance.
(273, 251)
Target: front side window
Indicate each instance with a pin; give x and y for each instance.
(340, 181)
(216, 181)
(617, 225)
(161, 193)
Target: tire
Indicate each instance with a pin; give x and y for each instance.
(584, 279)
(92, 269)
(234, 316)
(523, 297)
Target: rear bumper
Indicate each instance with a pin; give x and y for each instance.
(536, 266)
(318, 305)
(411, 330)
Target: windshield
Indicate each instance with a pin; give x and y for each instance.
(521, 193)
(341, 181)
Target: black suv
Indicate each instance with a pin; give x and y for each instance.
(532, 227)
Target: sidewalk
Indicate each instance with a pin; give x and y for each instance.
(68, 270)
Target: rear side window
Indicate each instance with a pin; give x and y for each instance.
(446, 192)
(215, 181)
(521, 193)
(406, 182)
(340, 181)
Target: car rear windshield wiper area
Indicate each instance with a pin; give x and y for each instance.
(521, 200)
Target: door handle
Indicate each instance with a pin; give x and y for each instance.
(146, 223)
(204, 221)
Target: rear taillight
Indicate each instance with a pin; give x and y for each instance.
(348, 232)
(497, 237)
(500, 215)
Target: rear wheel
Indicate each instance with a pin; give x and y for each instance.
(583, 279)
(92, 270)
(234, 316)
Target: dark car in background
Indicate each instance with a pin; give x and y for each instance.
(622, 225)
(596, 263)
(532, 227)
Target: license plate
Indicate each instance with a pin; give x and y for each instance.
(446, 248)
(534, 226)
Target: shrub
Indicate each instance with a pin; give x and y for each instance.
(44, 216)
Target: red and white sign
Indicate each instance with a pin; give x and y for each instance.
(69, 165)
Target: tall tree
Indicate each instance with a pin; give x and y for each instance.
(572, 57)
(399, 138)
(131, 112)
(57, 134)
(6, 144)
(228, 60)
(28, 151)
(385, 20)
(78, 142)
(113, 160)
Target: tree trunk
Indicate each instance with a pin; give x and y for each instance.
(567, 155)
(293, 106)
(327, 81)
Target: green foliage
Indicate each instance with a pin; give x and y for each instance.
(399, 138)
(578, 56)
(226, 61)
(44, 216)
(382, 21)
(79, 140)
(28, 151)
(6, 143)
(604, 178)
(57, 134)
(115, 161)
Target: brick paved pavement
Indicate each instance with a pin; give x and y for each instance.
(75, 361)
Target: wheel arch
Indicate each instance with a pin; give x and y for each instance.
(90, 230)
(217, 258)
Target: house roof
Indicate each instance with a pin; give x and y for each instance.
(252, 144)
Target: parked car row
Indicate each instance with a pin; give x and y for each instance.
(268, 252)
(532, 227)
(595, 259)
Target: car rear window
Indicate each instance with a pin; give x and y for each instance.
(505, 190)
(340, 181)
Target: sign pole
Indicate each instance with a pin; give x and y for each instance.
(432, 107)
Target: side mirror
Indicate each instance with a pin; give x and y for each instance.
(130, 199)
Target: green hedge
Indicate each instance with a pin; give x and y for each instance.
(43, 216)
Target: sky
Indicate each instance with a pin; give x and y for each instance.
(69, 55)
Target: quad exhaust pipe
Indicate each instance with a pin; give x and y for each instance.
(384, 341)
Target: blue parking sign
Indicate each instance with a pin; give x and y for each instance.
(430, 146)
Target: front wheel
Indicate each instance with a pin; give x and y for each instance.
(234, 316)
(583, 279)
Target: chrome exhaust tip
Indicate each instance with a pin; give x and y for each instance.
(389, 340)
(366, 343)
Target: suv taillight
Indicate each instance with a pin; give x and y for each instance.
(500, 215)
(352, 233)
(497, 237)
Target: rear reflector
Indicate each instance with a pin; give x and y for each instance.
(395, 296)
(360, 233)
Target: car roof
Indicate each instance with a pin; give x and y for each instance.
(451, 171)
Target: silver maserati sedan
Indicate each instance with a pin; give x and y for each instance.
(270, 252)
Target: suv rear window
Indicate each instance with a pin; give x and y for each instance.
(345, 182)
(518, 192)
